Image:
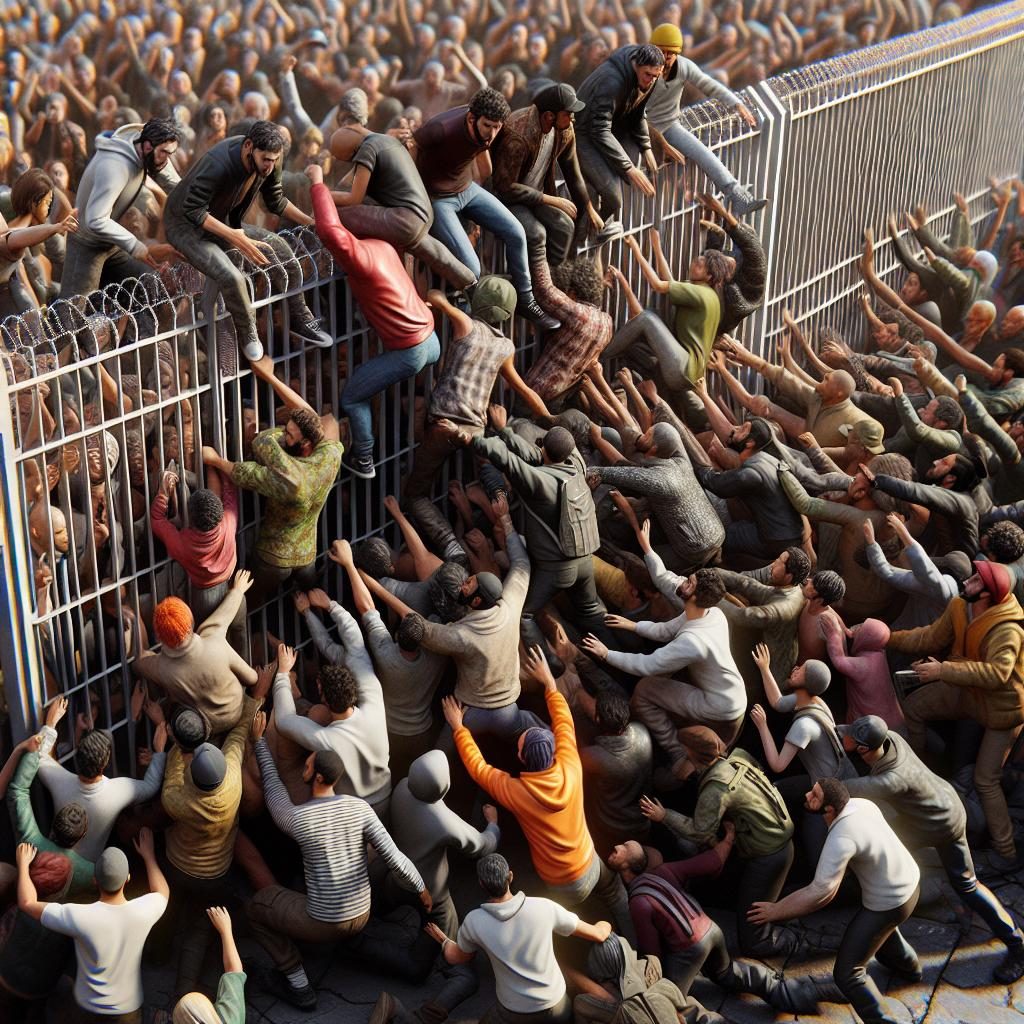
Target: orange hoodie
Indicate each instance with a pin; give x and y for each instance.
(548, 805)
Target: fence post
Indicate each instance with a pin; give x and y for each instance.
(18, 652)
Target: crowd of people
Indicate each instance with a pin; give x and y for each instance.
(683, 662)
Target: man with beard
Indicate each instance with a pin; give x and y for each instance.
(980, 641)
(859, 838)
(774, 525)
(293, 467)
(203, 218)
(448, 147)
(102, 251)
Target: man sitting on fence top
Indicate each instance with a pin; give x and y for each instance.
(204, 217)
(294, 468)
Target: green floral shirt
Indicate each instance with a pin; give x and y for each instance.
(296, 488)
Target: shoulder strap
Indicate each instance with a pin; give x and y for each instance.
(828, 724)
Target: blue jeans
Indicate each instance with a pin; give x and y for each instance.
(490, 213)
(373, 376)
(693, 149)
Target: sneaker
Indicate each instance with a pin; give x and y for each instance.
(359, 465)
(530, 309)
(253, 350)
(742, 201)
(310, 328)
(386, 1009)
(612, 229)
(1011, 967)
(301, 998)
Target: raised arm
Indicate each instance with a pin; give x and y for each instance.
(650, 275)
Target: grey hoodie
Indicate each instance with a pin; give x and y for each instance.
(110, 184)
(424, 828)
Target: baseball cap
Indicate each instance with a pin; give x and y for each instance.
(111, 870)
(208, 767)
(488, 589)
(869, 731)
(869, 433)
(556, 98)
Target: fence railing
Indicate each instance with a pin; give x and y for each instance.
(100, 395)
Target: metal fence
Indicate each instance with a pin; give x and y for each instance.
(100, 395)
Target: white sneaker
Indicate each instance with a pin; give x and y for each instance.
(253, 351)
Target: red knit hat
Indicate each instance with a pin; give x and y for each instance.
(996, 578)
(172, 621)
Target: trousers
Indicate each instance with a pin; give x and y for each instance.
(656, 699)
(204, 602)
(944, 702)
(208, 255)
(560, 1013)
(574, 577)
(278, 916)
(492, 215)
(762, 879)
(873, 933)
(693, 149)
(407, 232)
(373, 376)
(604, 181)
(604, 888)
(431, 454)
(710, 957)
(549, 232)
(88, 267)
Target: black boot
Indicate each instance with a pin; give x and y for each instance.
(437, 531)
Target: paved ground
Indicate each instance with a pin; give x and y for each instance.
(956, 953)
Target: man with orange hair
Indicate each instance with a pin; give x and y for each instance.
(200, 668)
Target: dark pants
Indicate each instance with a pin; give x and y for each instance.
(186, 918)
(710, 957)
(603, 180)
(78, 1015)
(574, 577)
(873, 933)
(267, 578)
(407, 232)
(762, 879)
(278, 916)
(547, 230)
(956, 859)
(429, 458)
(88, 267)
(560, 1013)
(208, 255)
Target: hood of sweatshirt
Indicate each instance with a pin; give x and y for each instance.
(429, 777)
(871, 635)
(549, 788)
(507, 910)
(121, 142)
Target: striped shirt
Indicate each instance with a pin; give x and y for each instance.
(333, 833)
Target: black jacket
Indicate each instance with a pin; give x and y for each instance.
(757, 483)
(615, 106)
(213, 185)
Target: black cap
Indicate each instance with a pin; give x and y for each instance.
(556, 98)
(869, 732)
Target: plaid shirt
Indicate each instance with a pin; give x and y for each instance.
(296, 489)
(471, 367)
(583, 336)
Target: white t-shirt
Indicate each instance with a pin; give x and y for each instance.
(516, 936)
(860, 838)
(816, 752)
(108, 946)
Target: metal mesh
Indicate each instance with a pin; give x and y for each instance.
(836, 148)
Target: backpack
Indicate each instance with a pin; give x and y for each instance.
(577, 518)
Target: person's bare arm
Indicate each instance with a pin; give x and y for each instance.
(652, 278)
(1001, 196)
(462, 324)
(632, 302)
(659, 255)
(341, 553)
(264, 369)
(143, 844)
(357, 193)
(604, 448)
(533, 401)
(644, 417)
(396, 604)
